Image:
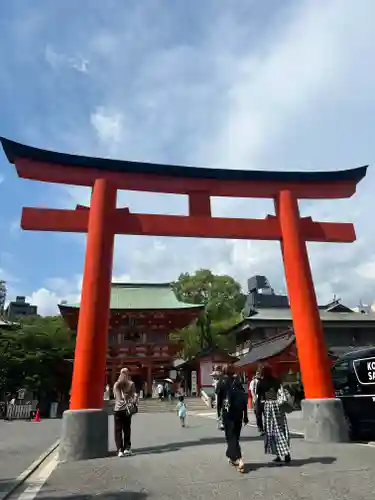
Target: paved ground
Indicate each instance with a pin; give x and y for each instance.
(294, 419)
(21, 443)
(172, 463)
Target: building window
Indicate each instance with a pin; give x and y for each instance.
(129, 320)
(131, 336)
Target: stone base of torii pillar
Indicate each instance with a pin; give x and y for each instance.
(324, 421)
(84, 435)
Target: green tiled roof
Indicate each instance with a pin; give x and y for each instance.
(139, 296)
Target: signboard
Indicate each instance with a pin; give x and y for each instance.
(194, 388)
(206, 370)
(365, 370)
(53, 410)
(21, 393)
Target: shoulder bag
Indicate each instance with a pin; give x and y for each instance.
(285, 400)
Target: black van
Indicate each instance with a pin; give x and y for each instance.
(353, 377)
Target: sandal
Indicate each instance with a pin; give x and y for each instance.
(241, 466)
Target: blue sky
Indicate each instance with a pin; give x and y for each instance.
(254, 85)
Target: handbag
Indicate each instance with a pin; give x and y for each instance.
(285, 400)
(129, 407)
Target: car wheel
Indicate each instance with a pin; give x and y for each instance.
(353, 432)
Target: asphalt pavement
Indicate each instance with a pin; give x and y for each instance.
(172, 463)
(21, 443)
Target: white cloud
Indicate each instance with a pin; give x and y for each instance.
(366, 270)
(46, 300)
(57, 290)
(54, 291)
(281, 81)
(57, 60)
(7, 276)
(108, 126)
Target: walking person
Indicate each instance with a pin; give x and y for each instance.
(160, 391)
(181, 410)
(232, 405)
(126, 400)
(258, 404)
(276, 430)
(217, 374)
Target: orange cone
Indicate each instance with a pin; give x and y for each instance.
(37, 416)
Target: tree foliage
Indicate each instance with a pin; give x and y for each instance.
(3, 295)
(34, 355)
(223, 302)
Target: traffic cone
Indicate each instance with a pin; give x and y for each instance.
(37, 416)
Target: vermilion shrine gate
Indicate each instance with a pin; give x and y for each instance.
(102, 221)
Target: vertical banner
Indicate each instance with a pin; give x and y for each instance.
(194, 388)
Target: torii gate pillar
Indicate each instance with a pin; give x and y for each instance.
(85, 424)
(322, 412)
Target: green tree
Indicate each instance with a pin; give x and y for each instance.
(3, 296)
(34, 355)
(223, 302)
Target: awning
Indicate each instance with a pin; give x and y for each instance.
(267, 349)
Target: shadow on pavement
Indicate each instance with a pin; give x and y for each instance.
(5, 485)
(168, 447)
(298, 462)
(110, 495)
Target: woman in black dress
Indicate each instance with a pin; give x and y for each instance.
(276, 431)
(232, 405)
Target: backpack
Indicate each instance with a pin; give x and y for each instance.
(236, 400)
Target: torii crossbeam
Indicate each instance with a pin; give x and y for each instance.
(102, 221)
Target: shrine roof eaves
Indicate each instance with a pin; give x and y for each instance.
(267, 349)
(14, 150)
(285, 314)
(142, 297)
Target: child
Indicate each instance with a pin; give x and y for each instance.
(181, 410)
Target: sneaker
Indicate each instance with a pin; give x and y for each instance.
(120, 454)
(128, 453)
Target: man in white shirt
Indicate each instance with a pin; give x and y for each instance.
(160, 390)
(216, 375)
(257, 405)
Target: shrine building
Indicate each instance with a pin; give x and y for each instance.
(266, 335)
(142, 315)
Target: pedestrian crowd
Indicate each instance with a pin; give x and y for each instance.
(271, 403)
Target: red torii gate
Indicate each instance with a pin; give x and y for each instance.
(103, 220)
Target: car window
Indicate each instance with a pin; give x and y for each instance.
(341, 373)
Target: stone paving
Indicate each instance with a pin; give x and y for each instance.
(172, 463)
(21, 443)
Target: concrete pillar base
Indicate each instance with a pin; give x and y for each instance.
(324, 421)
(84, 435)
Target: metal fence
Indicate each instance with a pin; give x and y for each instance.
(19, 412)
